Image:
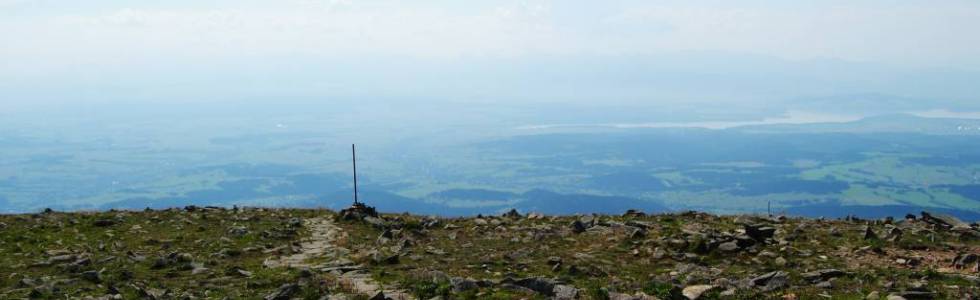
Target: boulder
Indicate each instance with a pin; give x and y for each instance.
(759, 232)
(378, 295)
(385, 236)
(637, 233)
(639, 296)
(92, 276)
(516, 288)
(729, 246)
(694, 292)
(578, 226)
(962, 261)
(237, 231)
(565, 292)
(869, 234)
(285, 292)
(381, 259)
(541, 285)
(944, 220)
(589, 221)
(375, 221)
(640, 224)
(535, 216)
(894, 234)
(835, 232)
(744, 241)
(780, 261)
(460, 284)
(825, 284)
(61, 258)
(915, 295)
(771, 281)
(103, 223)
(822, 275)
(358, 211)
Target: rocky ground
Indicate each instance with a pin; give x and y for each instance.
(253, 253)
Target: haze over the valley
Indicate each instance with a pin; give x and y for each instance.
(479, 106)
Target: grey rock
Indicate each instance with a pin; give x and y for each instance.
(516, 288)
(944, 220)
(578, 226)
(538, 284)
(962, 261)
(695, 291)
(677, 244)
(759, 232)
(835, 232)
(61, 258)
(159, 263)
(894, 234)
(639, 224)
(565, 292)
(285, 292)
(197, 268)
(588, 221)
(237, 231)
(637, 233)
(184, 257)
(375, 221)
(825, 285)
(92, 276)
(27, 282)
(460, 284)
(728, 246)
(780, 261)
(103, 223)
(822, 275)
(916, 295)
(621, 296)
(869, 234)
(771, 281)
(382, 259)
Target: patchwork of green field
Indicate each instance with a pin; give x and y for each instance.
(723, 171)
(892, 170)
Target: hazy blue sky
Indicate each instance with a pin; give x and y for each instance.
(102, 50)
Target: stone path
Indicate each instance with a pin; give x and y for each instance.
(323, 245)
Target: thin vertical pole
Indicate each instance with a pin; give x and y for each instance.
(354, 159)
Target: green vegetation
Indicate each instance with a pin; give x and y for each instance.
(215, 252)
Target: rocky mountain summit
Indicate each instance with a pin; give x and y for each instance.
(279, 254)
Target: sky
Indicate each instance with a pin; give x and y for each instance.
(192, 51)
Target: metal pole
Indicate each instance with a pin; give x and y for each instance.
(354, 159)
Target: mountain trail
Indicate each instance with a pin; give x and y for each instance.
(324, 244)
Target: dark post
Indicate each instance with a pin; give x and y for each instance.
(354, 159)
